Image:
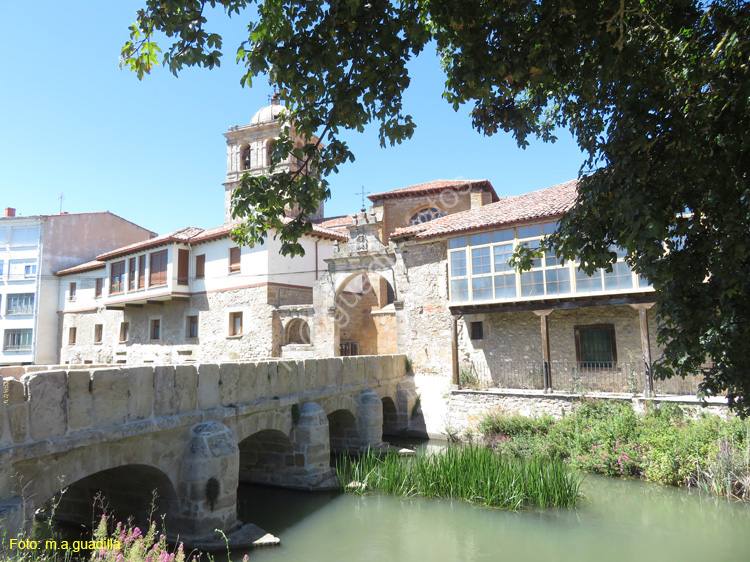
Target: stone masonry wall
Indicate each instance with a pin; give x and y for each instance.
(466, 407)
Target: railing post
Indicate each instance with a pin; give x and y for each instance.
(642, 309)
(543, 314)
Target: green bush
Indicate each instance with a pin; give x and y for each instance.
(608, 437)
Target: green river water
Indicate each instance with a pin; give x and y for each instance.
(619, 520)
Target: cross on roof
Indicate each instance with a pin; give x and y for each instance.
(363, 193)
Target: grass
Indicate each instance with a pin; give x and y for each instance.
(607, 437)
(471, 473)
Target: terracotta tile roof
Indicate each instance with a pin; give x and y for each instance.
(88, 266)
(435, 187)
(190, 235)
(335, 222)
(182, 235)
(545, 203)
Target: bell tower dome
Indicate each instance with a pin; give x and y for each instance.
(249, 152)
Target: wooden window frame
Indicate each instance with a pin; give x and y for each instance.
(132, 285)
(141, 272)
(72, 286)
(98, 287)
(190, 322)
(158, 277)
(233, 328)
(200, 266)
(235, 259)
(124, 331)
(117, 278)
(72, 333)
(98, 333)
(154, 329)
(183, 267)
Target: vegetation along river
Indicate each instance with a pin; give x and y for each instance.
(619, 520)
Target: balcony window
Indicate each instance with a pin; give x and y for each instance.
(158, 272)
(20, 304)
(117, 278)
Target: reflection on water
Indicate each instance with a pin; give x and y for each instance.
(619, 520)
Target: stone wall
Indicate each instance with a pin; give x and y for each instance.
(466, 407)
(396, 213)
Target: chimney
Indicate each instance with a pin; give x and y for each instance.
(10, 212)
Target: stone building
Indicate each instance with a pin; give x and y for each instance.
(424, 272)
(32, 249)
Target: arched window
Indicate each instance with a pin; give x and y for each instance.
(269, 150)
(246, 158)
(297, 331)
(426, 215)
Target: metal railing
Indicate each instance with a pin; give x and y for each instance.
(577, 377)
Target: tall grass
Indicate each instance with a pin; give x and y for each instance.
(469, 473)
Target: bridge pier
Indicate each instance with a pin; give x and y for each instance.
(312, 466)
(369, 419)
(208, 483)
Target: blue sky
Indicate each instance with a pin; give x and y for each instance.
(152, 151)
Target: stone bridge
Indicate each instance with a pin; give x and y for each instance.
(190, 432)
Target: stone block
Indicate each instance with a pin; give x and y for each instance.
(18, 422)
(109, 397)
(208, 386)
(274, 387)
(291, 374)
(262, 381)
(79, 400)
(13, 392)
(229, 380)
(165, 403)
(246, 383)
(47, 394)
(186, 387)
(141, 387)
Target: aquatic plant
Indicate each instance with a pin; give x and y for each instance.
(475, 474)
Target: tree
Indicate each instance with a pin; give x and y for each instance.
(655, 92)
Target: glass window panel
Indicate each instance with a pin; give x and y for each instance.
(642, 281)
(24, 236)
(619, 278)
(460, 290)
(505, 286)
(481, 288)
(479, 239)
(457, 242)
(502, 235)
(502, 254)
(558, 281)
(532, 284)
(596, 347)
(458, 263)
(480, 261)
(586, 284)
(549, 228)
(534, 245)
(550, 260)
(3, 236)
(529, 231)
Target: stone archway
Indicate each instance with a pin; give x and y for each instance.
(357, 306)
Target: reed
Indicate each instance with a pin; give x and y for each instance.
(473, 474)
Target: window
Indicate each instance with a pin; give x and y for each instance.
(477, 331)
(18, 304)
(17, 340)
(234, 259)
(72, 291)
(595, 345)
(124, 331)
(191, 327)
(158, 273)
(141, 272)
(117, 277)
(71, 336)
(2, 263)
(24, 236)
(131, 275)
(98, 332)
(426, 215)
(246, 158)
(98, 287)
(155, 329)
(183, 266)
(200, 266)
(19, 270)
(235, 324)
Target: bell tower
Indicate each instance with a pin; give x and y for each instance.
(249, 151)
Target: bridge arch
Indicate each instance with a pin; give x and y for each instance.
(264, 455)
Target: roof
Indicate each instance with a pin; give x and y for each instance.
(335, 222)
(544, 203)
(435, 187)
(191, 235)
(88, 266)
